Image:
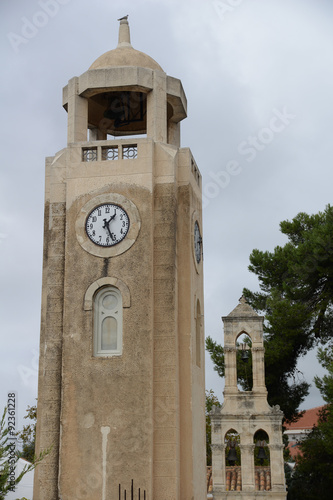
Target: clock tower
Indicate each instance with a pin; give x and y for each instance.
(121, 380)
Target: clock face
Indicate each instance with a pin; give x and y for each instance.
(197, 242)
(107, 225)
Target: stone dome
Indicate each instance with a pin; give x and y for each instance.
(124, 54)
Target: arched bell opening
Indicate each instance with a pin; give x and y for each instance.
(244, 362)
(198, 334)
(117, 113)
(233, 461)
(262, 461)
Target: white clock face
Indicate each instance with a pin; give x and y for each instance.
(197, 242)
(107, 225)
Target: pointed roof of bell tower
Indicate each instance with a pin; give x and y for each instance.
(243, 309)
(125, 54)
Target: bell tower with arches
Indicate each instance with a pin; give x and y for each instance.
(121, 392)
(247, 448)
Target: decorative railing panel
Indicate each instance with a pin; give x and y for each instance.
(110, 153)
(195, 172)
(130, 152)
(89, 154)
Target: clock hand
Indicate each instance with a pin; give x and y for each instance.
(106, 226)
(112, 217)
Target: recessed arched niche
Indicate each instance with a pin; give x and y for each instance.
(233, 461)
(262, 469)
(244, 362)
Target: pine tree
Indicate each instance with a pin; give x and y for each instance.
(296, 298)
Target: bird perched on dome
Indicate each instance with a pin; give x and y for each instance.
(122, 18)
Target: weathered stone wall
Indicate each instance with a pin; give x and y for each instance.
(139, 415)
(49, 385)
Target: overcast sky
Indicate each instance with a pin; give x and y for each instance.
(258, 75)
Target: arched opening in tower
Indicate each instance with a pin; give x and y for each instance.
(262, 469)
(244, 362)
(233, 461)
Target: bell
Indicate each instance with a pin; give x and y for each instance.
(232, 456)
(262, 455)
(245, 356)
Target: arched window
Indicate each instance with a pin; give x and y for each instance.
(262, 461)
(108, 322)
(233, 461)
(198, 335)
(244, 362)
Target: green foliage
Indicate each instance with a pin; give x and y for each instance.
(280, 391)
(28, 435)
(211, 400)
(313, 476)
(244, 369)
(296, 297)
(6, 460)
(325, 384)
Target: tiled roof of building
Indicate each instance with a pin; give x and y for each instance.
(307, 420)
(294, 450)
(301, 428)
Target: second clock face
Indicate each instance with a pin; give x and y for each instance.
(197, 242)
(107, 225)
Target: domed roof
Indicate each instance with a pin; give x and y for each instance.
(124, 54)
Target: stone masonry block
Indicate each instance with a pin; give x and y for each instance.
(165, 230)
(58, 223)
(165, 468)
(164, 358)
(165, 451)
(56, 292)
(58, 209)
(166, 344)
(52, 378)
(168, 300)
(55, 305)
(167, 286)
(54, 319)
(165, 436)
(52, 393)
(163, 314)
(165, 373)
(166, 488)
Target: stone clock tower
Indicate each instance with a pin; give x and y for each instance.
(121, 378)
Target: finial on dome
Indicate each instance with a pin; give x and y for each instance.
(124, 39)
(242, 300)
